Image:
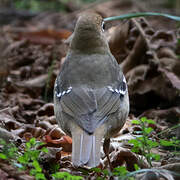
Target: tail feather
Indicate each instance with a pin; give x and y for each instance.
(95, 156)
(86, 148)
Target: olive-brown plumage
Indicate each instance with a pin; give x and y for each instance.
(90, 94)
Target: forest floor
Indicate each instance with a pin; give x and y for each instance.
(32, 53)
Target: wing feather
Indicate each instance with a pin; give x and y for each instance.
(88, 107)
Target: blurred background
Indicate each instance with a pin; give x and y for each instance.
(34, 39)
(12, 9)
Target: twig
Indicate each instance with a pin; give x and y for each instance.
(2, 110)
(146, 39)
(168, 129)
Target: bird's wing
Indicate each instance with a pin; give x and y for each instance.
(90, 107)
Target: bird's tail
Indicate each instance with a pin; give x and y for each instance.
(86, 148)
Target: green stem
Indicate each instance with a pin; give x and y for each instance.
(168, 129)
(141, 14)
(146, 145)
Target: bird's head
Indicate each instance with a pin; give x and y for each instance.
(88, 35)
(90, 23)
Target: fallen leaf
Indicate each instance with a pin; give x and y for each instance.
(46, 36)
(65, 142)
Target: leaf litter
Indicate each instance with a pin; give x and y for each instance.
(147, 55)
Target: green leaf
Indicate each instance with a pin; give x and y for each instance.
(33, 172)
(134, 142)
(97, 170)
(77, 178)
(32, 141)
(40, 176)
(28, 145)
(144, 119)
(44, 149)
(140, 139)
(105, 172)
(40, 143)
(153, 156)
(135, 122)
(54, 167)
(141, 14)
(66, 175)
(33, 154)
(166, 143)
(135, 149)
(136, 167)
(156, 157)
(22, 159)
(60, 175)
(148, 130)
(121, 170)
(152, 143)
(3, 156)
(37, 166)
(150, 121)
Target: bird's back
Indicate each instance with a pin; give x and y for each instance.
(92, 70)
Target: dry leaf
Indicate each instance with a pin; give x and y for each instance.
(65, 142)
(46, 36)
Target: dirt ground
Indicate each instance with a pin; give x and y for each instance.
(32, 53)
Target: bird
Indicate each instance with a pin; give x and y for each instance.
(91, 101)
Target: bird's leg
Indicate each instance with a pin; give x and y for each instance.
(106, 146)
